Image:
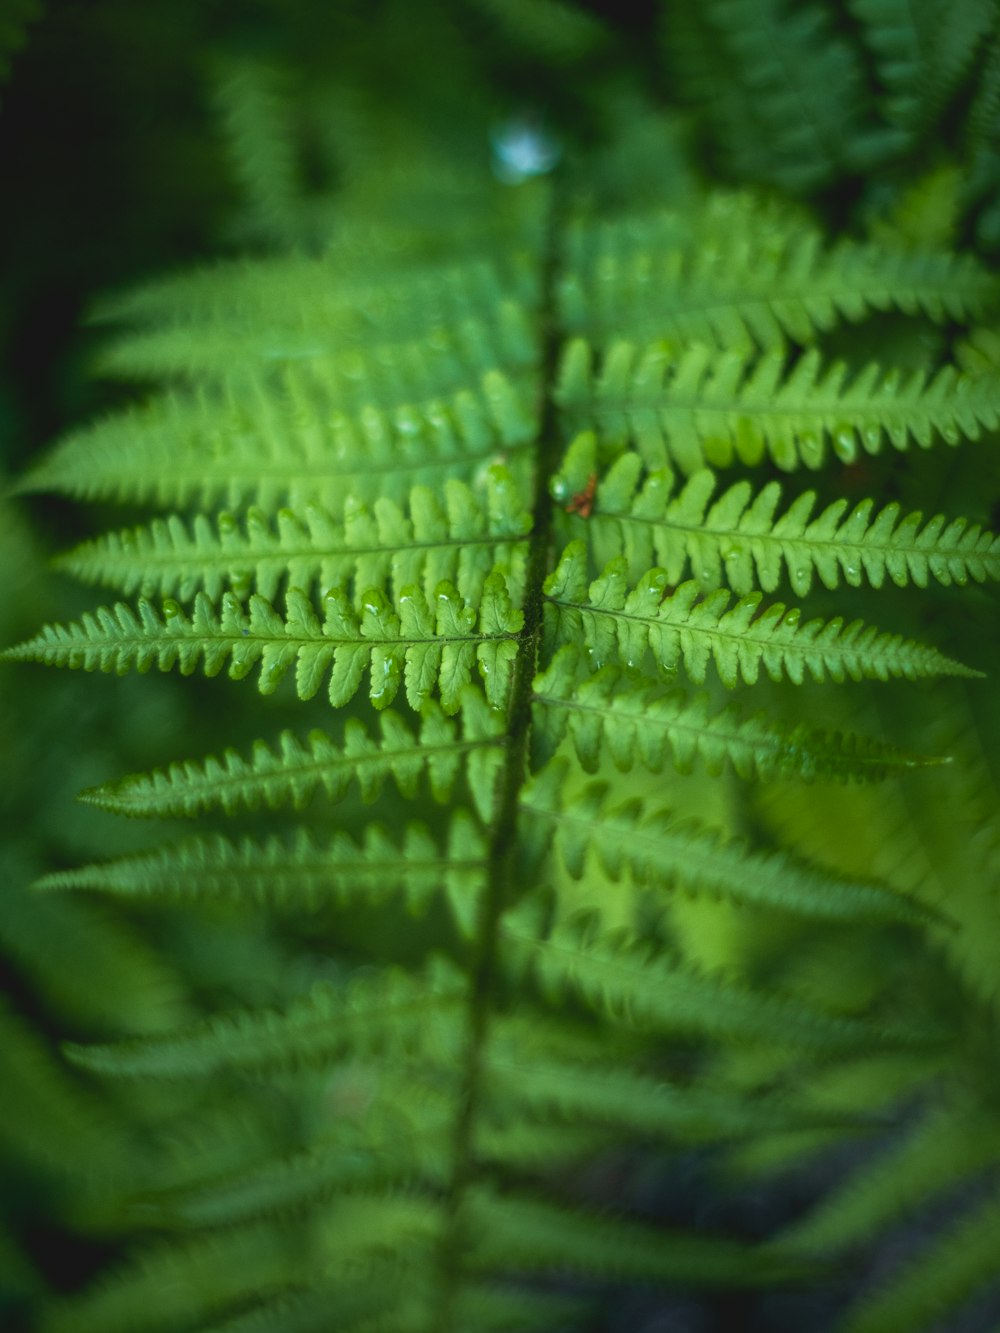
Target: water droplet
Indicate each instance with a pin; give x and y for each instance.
(407, 423)
(383, 685)
(522, 148)
(845, 445)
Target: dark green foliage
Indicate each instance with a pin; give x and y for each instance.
(489, 481)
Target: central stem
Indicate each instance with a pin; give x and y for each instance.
(503, 839)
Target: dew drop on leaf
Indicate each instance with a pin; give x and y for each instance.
(845, 445)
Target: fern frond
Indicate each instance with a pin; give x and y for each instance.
(596, 961)
(536, 1237)
(386, 1010)
(365, 1307)
(254, 108)
(781, 88)
(922, 51)
(738, 539)
(301, 875)
(935, 837)
(533, 1148)
(334, 376)
(681, 628)
(634, 721)
(280, 444)
(625, 981)
(172, 1284)
(597, 249)
(230, 321)
(938, 1280)
(716, 408)
(948, 1148)
(401, 1141)
(759, 287)
(551, 30)
(460, 538)
(924, 213)
(46, 1117)
(420, 644)
(389, 1298)
(527, 1078)
(984, 113)
(668, 854)
(60, 944)
(422, 204)
(293, 771)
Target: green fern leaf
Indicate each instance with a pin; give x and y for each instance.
(526, 1078)
(46, 1117)
(388, 1300)
(361, 1243)
(781, 87)
(234, 321)
(347, 1163)
(182, 449)
(679, 629)
(643, 234)
(389, 1010)
(923, 51)
(949, 1148)
(381, 417)
(938, 1281)
(552, 30)
(422, 645)
(667, 854)
(302, 874)
(736, 539)
(704, 407)
(537, 1237)
(759, 288)
(636, 721)
(255, 109)
(170, 1285)
(293, 771)
(622, 979)
(59, 944)
(461, 540)
(243, 445)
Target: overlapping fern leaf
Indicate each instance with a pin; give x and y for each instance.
(465, 559)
